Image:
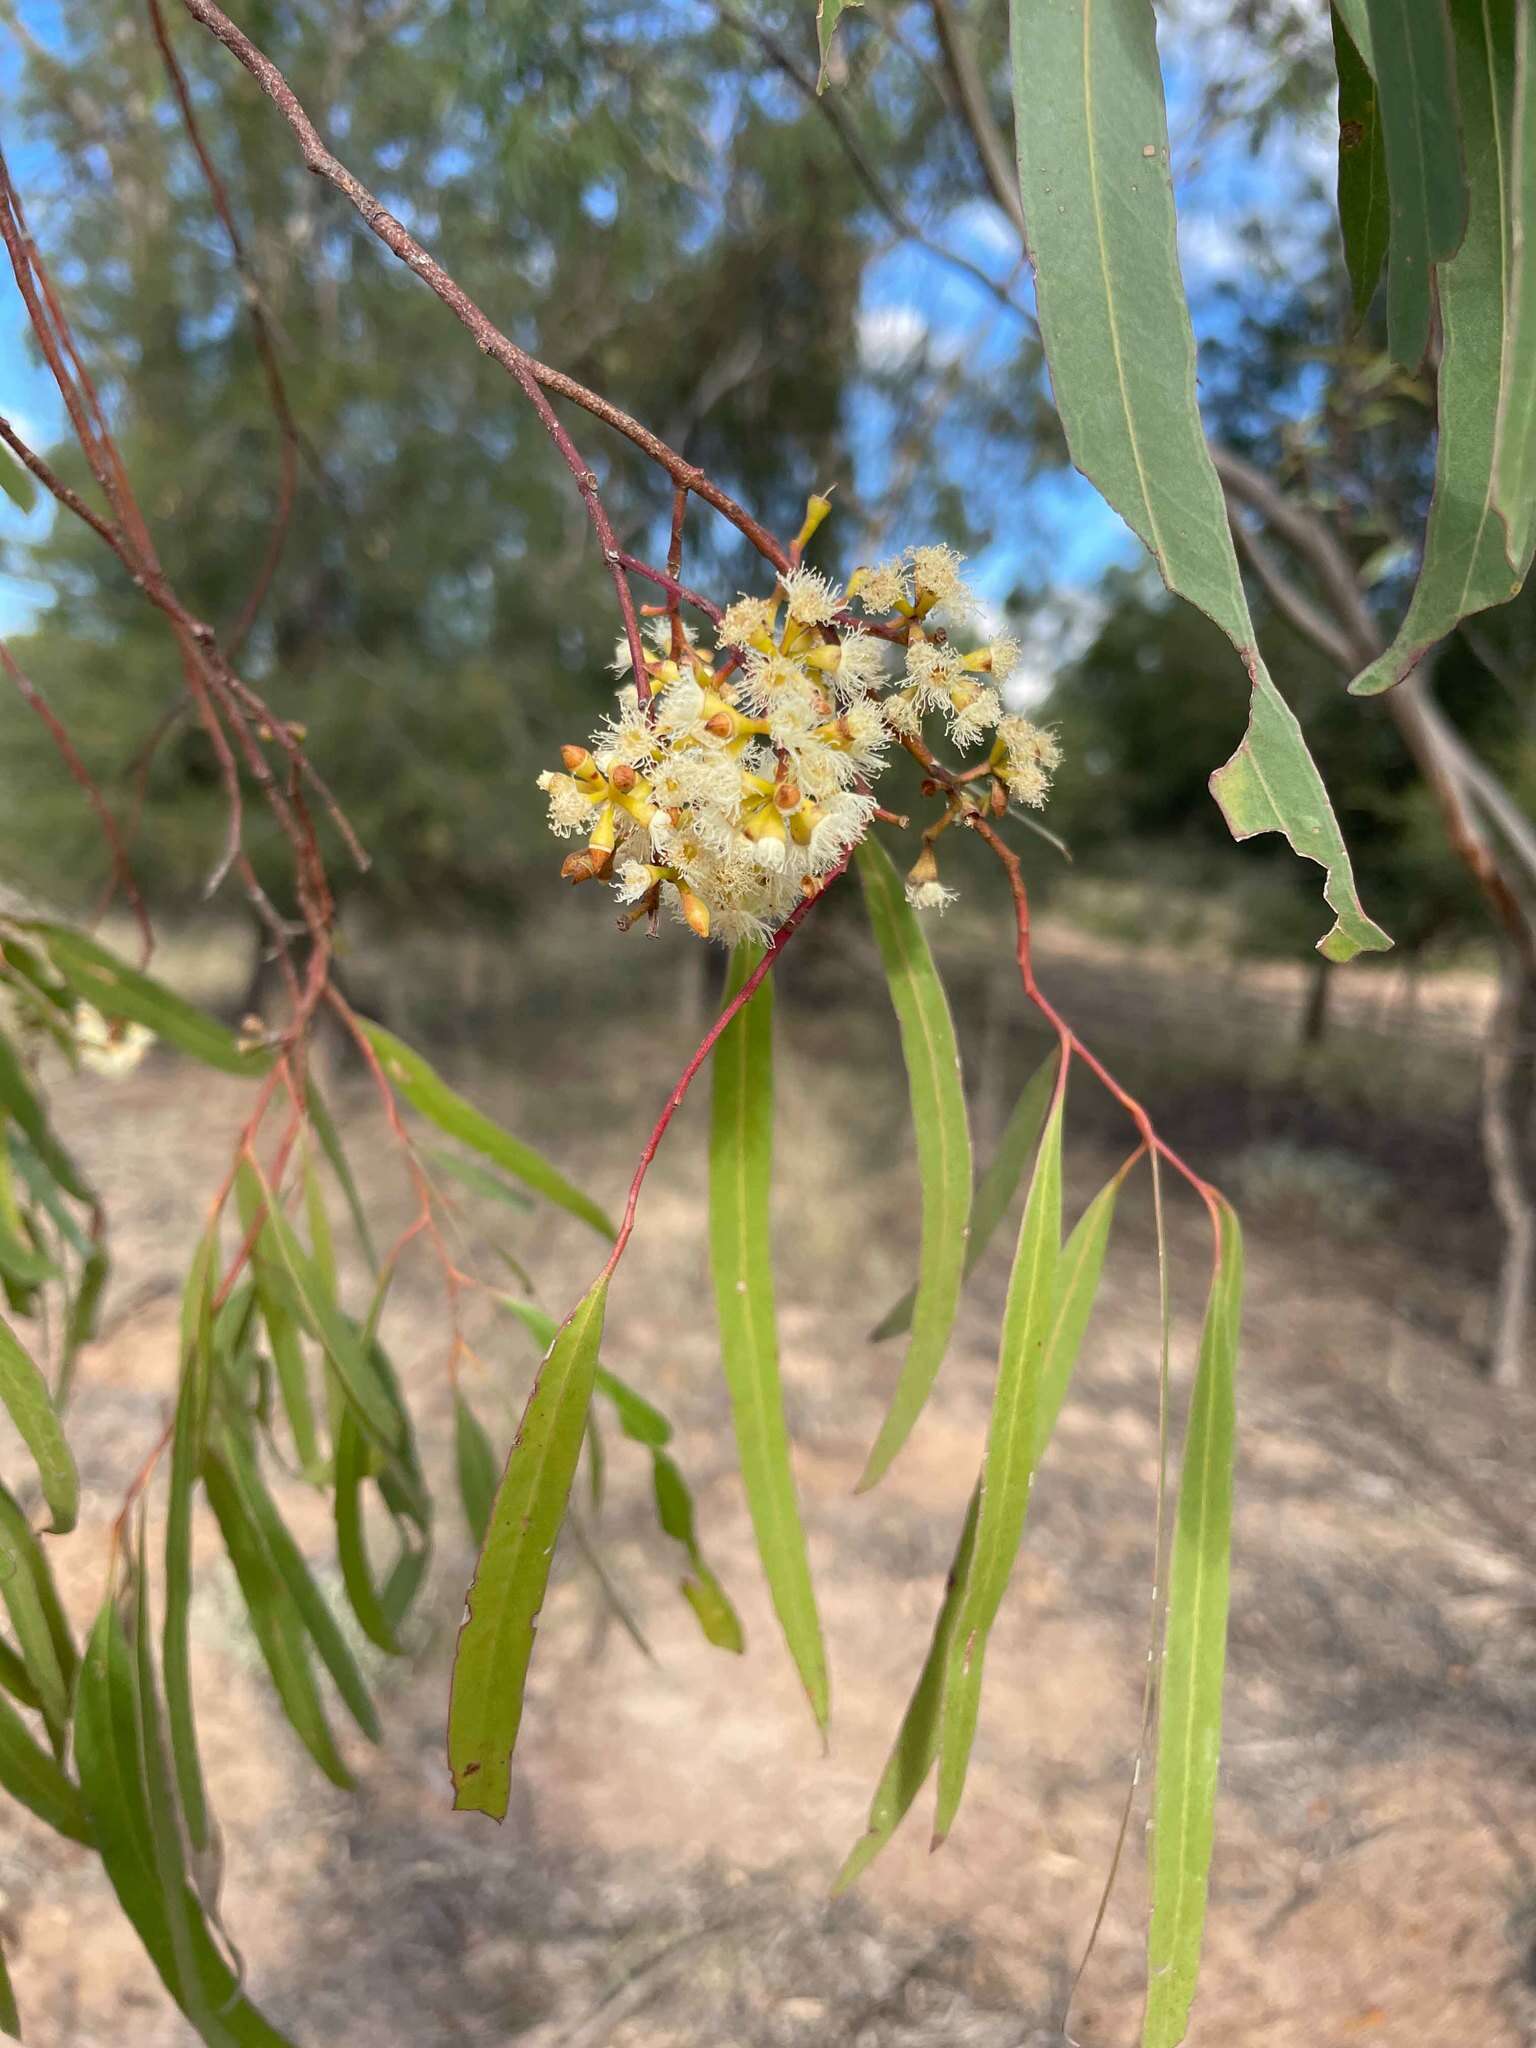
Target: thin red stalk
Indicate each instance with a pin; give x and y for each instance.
(670, 584)
(122, 871)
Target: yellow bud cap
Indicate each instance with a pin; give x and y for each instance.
(816, 510)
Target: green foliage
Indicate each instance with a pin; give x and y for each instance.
(1363, 207)
(741, 1263)
(943, 1143)
(1410, 50)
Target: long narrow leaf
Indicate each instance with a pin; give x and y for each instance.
(496, 1642)
(429, 1094)
(1415, 78)
(110, 985)
(476, 1464)
(364, 1597)
(1363, 206)
(943, 1142)
(1515, 456)
(19, 1100)
(1194, 1662)
(37, 1615)
(31, 1775)
(30, 1406)
(703, 1591)
(275, 1620)
(741, 1265)
(1098, 204)
(1008, 1468)
(187, 1434)
(996, 1188)
(1466, 566)
(325, 1130)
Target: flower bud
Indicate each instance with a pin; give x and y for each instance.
(924, 869)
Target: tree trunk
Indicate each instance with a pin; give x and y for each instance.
(1509, 1094)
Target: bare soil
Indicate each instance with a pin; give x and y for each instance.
(662, 1877)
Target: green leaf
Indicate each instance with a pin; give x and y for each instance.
(30, 1406)
(325, 1130)
(943, 1141)
(703, 1592)
(275, 1619)
(81, 1319)
(478, 1179)
(1416, 84)
(15, 1680)
(187, 1437)
(37, 1615)
(372, 1611)
(10, 2017)
(354, 1367)
(1363, 206)
(828, 14)
(1008, 1468)
(640, 1422)
(1466, 565)
(18, 1099)
(1194, 1659)
(309, 1603)
(496, 1642)
(113, 1728)
(1098, 203)
(110, 985)
(995, 1190)
(19, 487)
(1515, 438)
(431, 1097)
(917, 1739)
(476, 1463)
(20, 1262)
(30, 1774)
(741, 1264)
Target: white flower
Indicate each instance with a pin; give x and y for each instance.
(937, 574)
(933, 669)
(930, 896)
(973, 712)
(569, 808)
(860, 665)
(1031, 756)
(813, 599)
(884, 587)
(112, 1048)
(747, 620)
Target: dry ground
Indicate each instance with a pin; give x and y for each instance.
(661, 1879)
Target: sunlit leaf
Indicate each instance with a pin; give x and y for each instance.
(943, 1141)
(37, 1615)
(996, 1188)
(640, 1422)
(1416, 86)
(1194, 1661)
(1466, 565)
(1363, 206)
(110, 985)
(187, 1438)
(741, 1264)
(703, 1591)
(27, 1401)
(496, 1642)
(1008, 1468)
(1098, 204)
(427, 1093)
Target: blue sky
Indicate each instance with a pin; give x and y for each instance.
(911, 298)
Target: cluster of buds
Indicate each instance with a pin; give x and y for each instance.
(743, 779)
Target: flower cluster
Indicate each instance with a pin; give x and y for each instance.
(742, 781)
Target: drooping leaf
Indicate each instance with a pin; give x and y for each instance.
(275, 1619)
(20, 1260)
(917, 1739)
(479, 1179)
(110, 985)
(943, 1141)
(1515, 438)
(427, 1093)
(703, 1591)
(19, 1100)
(25, 1394)
(14, 1678)
(187, 1438)
(31, 1775)
(476, 1463)
(1416, 86)
(1098, 205)
(80, 1320)
(1008, 1467)
(111, 1734)
(1194, 1662)
(1466, 565)
(309, 1603)
(324, 1127)
(10, 2016)
(496, 1642)
(741, 1265)
(1364, 213)
(828, 14)
(996, 1188)
(363, 1595)
(640, 1422)
(37, 1615)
